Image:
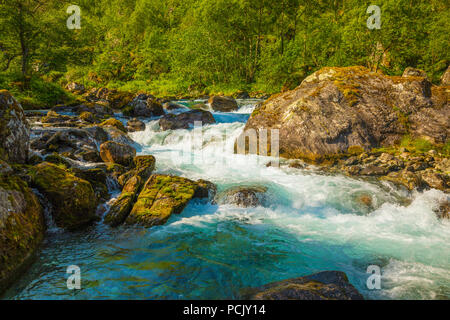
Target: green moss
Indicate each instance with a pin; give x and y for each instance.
(113, 122)
(161, 197)
(73, 198)
(21, 232)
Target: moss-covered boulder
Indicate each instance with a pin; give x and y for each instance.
(112, 122)
(327, 285)
(121, 208)
(22, 228)
(88, 117)
(97, 177)
(143, 167)
(14, 130)
(161, 197)
(113, 152)
(73, 199)
(336, 109)
(54, 117)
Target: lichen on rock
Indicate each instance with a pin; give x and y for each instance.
(22, 227)
(73, 199)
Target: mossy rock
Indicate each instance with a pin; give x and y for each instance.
(143, 167)
(53, 117)
(121, 208)
(88, 117)
(161, 197)
(58, 160)
(97, 178)
(112, 122)
(113, 152)
(22, 228)
(73, 199)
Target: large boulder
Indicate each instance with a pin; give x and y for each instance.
(14, 130)
(113, 152)
(73, 199)
(161, 197)
(22, 228)
(327, 285)
(118, 136)
(185, 120)
(223, 104)
(340, 109)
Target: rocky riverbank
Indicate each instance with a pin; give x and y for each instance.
(360, 123)
(339, 120)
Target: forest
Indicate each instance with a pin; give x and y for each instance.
(197, 47)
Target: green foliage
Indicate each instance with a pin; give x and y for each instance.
(195, 47)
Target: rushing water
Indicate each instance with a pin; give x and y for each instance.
(311, 222)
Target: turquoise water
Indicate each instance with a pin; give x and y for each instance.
(310, 222)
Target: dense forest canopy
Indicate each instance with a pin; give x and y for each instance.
(170, 47)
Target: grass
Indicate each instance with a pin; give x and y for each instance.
(39, 94)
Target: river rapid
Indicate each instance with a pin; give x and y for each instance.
(309, 222)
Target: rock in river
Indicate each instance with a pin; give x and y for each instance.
(223, 104)
(340, 109)
(161, 197)
(242, 196)
(327, 285)
(185, 120)
(73, 199)
(113, 152)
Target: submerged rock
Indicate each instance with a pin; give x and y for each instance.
(73, 199)
(113, 152)
(22, 228)
(185, 120)
(161, 197)
(223, 104)
(14, 130)
(327, 285)
(242, 196)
